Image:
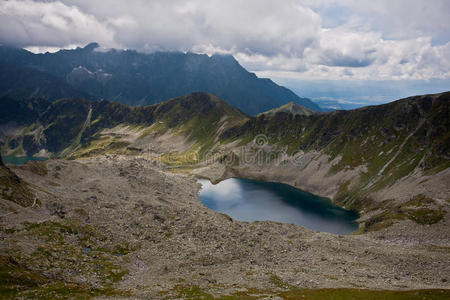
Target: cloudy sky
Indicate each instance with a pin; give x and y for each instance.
(291, 41)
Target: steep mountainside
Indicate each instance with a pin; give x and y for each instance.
(135, 78)
(26, 82)
(389, 162)
(363, 154)
(67, 125)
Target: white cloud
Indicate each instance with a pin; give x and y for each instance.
(31, 23)
(369, 39)
(402, 19)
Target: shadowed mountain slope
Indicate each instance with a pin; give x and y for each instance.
(365, 159)
(136, 78)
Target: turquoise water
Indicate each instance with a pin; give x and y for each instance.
(252, 200)
(19, 160)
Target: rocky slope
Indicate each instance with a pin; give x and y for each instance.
(136, 78)
(123, 219)
(375, 160)
(389, 162)
(14, 189)
(120, 227)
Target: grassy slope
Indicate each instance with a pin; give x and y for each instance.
(195, 292)
(197, 116)
(290, 107)
(358, 136)
(369, 136)
(21, 275)
(390, 140)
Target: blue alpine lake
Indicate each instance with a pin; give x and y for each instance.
(19, 160)
(253, 200)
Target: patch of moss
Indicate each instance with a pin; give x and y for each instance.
(420, 200)
(49, 231)
(19, 282)
(122, 249)
(425, 216)
(100, 146)
(9, 230)
(378, 222)
(14, 189)
(62, 290)
(196, 292)
(57, 249)
(420, 209)
(191, 292)
(111, 272)
(356, 294)
(278, 282)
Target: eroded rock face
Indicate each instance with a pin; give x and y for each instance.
(120, 222)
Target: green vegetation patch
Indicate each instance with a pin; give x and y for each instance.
(14, 189)
(196, 292)
(420, 209)
(19, 282)
(102, 145)
(425, 216)
(357, 294)
(77, 248)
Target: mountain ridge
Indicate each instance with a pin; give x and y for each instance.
(364, 159)
(134, 78)
(291, 107)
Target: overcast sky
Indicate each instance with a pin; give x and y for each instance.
(295, 40)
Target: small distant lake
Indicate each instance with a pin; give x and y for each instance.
(19, 160)
(253, 200)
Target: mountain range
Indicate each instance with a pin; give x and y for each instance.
(358, 158)
(123, 191)
(134, 78)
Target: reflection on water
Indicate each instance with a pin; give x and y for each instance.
(252, 200)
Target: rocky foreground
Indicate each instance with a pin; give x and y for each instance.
(122, 227)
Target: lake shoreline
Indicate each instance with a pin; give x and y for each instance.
(166, 233)
(252, 200)
(20, 160)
